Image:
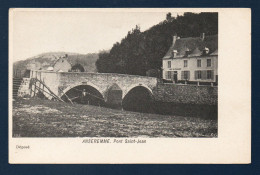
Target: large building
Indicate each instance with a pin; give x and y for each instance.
(193, 59)
(62, 65)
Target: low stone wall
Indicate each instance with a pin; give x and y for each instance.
(186, 94)
(24, 89)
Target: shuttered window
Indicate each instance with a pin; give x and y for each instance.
(204, 75)
(198, 63)
(185, 75)
(168, 74)
(210, 74)
(208, 62)
(198, 74)
(185, 63)
(169, 64)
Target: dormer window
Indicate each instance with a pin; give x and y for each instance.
(187, 52)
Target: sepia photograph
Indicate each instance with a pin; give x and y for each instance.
(129, 85)
(115, 74)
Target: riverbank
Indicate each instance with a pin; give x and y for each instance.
(44, 118)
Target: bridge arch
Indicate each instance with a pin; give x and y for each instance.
(92, 94)
(128, 89)
(138, 98)
(81, 84)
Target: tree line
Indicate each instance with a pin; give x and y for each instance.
(140, 52)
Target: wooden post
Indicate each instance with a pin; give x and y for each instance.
(43, 85)
(43, 88)
(30, 88)
(40, 77)
(31, 91)
(34, 89)
(66, 96)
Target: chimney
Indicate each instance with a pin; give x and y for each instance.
(205, 51)
(64, 56)
(202, 36)
(174, 53)
(187, 52)
(174, 39)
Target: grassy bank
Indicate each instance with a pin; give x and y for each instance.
(44, 118)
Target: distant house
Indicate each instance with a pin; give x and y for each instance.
(62, 65)
(50, 68)
(193, 59)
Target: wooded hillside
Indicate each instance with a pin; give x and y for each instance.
(140, 51)
(43, 61)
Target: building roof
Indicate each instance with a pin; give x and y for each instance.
(195, 45)
(215, 52)
(196, 52)
(65, 58)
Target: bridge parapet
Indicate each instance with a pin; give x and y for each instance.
(103, 81)
(61, 82)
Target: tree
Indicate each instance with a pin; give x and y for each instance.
(168, 16)
(142, 51)
(77, 68)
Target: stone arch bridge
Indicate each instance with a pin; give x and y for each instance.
(137, 87)
(61, 83)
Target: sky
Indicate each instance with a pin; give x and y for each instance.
(36, 32)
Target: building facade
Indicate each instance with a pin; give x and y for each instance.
(62, 65)
(193, 59)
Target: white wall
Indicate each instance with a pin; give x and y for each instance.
(62, 64)
(177, 64)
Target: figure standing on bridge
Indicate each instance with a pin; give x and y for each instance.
(84, 93)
